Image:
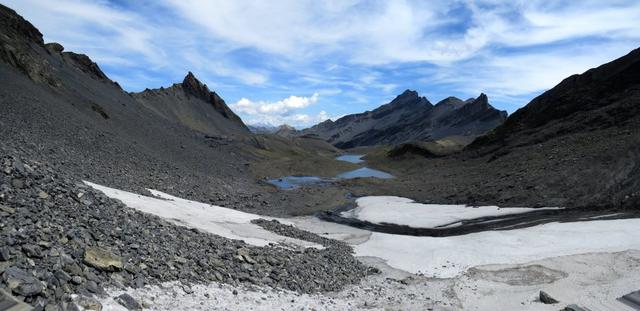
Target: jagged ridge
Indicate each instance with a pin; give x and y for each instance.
(190, 104)
(411, 117)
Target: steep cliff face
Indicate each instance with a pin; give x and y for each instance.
(193, 105)
(411, 117)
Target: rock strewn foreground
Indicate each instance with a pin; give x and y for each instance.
(60, 237)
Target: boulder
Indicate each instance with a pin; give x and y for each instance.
(88, 303)
(546, 298)
(128, 302)
(22, 283)
(32, 251)
(102, 259)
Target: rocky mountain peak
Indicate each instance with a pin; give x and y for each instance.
(408, 93)
(482, 99)
(406, 98)
(193, 86)
(451, 100)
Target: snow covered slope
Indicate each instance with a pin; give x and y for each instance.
(218, 220)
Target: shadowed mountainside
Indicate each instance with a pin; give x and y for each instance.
(410, 117)
(603, 97)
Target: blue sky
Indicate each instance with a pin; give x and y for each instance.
(303, 61)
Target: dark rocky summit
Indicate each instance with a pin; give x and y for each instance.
(193, 105)
(410, 117)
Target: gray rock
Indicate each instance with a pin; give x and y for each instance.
(128, 302)
(77, 280)
(546, 298)
(21, 283)
(10, 303)
(54, 47)
(574, 308)
(88, 303)
(7, 209)
(32, 251)
(93, 287)
(102, 259)
(62, 276)
(17, 183)
(5, 254)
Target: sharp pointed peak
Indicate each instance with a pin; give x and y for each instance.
(192, 85)
(483, 97)
(190, 78)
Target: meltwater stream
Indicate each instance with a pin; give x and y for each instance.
(292, 182)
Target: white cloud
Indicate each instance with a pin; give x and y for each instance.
(283, 111)
(298, 120)
(281, 107)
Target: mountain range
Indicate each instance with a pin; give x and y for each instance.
(410, 117)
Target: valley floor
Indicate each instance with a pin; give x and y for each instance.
(589, 263)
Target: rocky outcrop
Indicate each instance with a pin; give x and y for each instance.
(410, 117)
(19, 47)
(22, 47)
(85, 64)
(546, 298)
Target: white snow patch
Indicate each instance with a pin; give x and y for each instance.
(450, 256)
(403, 211)
(214, 219)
